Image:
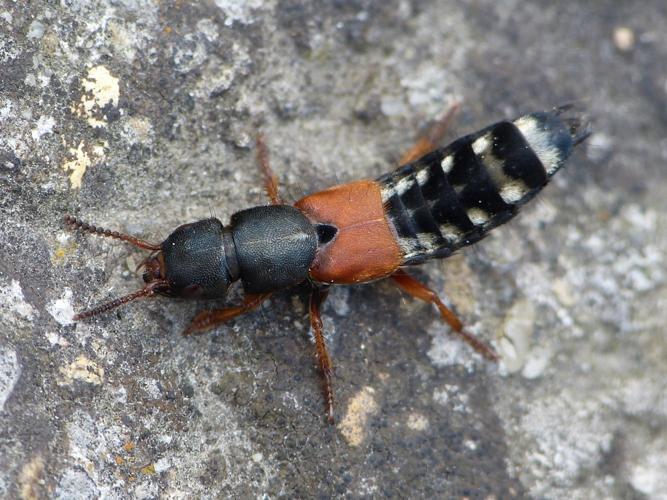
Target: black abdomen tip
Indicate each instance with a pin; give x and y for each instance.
(553, 135)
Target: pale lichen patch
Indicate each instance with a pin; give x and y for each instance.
(361, 407)
(241, 12)
(61, 309)
(83, 158)
(517, 332)
(10, 372)
(100, 89)
(43, 127)
(417, 422)
(563, 292)
(13, 301)
(82, 369)
(30, 478)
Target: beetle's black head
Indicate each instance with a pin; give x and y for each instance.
(196, 260)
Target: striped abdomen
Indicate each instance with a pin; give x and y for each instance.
(455, 195)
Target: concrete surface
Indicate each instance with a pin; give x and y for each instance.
(140, 115)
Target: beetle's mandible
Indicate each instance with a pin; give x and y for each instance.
(439, 200)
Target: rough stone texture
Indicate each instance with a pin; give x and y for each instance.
(140, 115)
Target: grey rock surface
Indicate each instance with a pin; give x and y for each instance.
(140, 115)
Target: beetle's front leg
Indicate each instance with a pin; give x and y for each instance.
(317, 297)
(206, 320)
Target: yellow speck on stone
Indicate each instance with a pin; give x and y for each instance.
(148, 470)
(100, 88)
(361, 407)
(58, 255)
(82, 160)
(61, 252)
(82, 369)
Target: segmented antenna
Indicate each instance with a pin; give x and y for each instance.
(79, 225)
(147, 291)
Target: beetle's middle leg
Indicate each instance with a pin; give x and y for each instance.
(270, 179)
(317, 297)
(206, 320)
(420, 291)
(430, 140)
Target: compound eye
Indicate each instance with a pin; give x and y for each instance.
(192, 291)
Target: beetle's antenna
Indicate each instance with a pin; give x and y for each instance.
(147, 291)
(76, 224)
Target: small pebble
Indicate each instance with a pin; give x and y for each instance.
(624, 38)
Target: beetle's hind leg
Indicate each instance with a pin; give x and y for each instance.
(432, 138)
(317, 297)
(420, 291)
(207, 320)
(270, 179)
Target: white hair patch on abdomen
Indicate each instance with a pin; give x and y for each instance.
(540, 143)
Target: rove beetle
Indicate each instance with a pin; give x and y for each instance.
(437, 201)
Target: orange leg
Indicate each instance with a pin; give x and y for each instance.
(207, 320)
(422, 292)
(270, 179)
(429, 141)
(317, 297)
